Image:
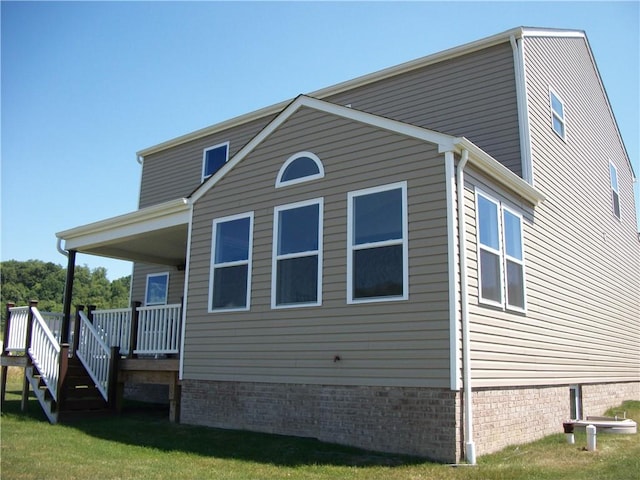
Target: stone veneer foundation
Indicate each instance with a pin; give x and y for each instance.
(414, 421)
(426, 422)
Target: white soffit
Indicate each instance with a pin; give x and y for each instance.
(145, 220)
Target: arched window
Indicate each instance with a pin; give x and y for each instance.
(301, 167)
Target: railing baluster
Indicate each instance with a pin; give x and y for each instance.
(158, 329)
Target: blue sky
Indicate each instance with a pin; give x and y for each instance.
(86, 85)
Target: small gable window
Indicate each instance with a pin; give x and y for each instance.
(301, 167)
(557, 114)
(213, 158)
(615, 192)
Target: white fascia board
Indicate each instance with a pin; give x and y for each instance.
(552, 32)
(497, 171)
(164, 215)
(444, 142)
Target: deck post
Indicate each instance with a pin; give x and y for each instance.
(5, 368)
(76, 329)
(90, 309)
(68, 293)
(133, 334)
(112, 394)
(62, 375)
(7, 321)
(27, 345)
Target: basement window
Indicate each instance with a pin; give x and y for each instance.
(575, 399)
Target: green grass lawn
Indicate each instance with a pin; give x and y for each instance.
(142, 444)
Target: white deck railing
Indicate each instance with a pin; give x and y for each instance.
(18, 327)
(15, 341)
(159, 330)
(115, 326)
(45, 352)
(94, 354)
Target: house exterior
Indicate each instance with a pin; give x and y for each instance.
(437, 259)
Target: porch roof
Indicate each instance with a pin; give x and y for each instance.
(155, 234)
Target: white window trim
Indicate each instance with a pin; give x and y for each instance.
(498, 252)
(404, 242)
(248, 262)
(293, 158)
(502, 255)
(508, 306)
(146, 290)
(275, 257)
(204, 157)
(563, 119)
(615, 190)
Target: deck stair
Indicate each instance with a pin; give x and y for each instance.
(86, 378)
(81, 398)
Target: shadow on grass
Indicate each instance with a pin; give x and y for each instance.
(147, 426)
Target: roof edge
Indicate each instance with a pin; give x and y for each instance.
(499, 172)
(436, 57)
(152, 212)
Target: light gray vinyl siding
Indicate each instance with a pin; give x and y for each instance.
(139, 285)
(582, 264)
(176, 172)
(473, 95)
(388, 343)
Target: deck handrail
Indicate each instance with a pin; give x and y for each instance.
(94, 354)
(18, 327)
(159, 329)
(14, 342)
(45, 352)
(115, 326)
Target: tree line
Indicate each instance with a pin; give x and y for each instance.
(22, 281)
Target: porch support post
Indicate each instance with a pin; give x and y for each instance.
(68, 293)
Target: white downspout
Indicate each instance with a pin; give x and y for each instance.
(60, 249)
(470, 446)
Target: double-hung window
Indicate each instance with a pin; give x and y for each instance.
(230, 281)
(500, 254)
(377, 252)
(557, 114)
(297, 254)
(615, 191)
